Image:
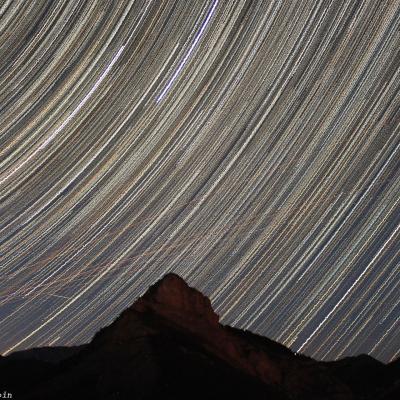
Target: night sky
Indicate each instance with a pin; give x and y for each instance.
(252, 147)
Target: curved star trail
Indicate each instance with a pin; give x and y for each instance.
(253, 147)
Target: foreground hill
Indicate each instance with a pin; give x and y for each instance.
(170, 345)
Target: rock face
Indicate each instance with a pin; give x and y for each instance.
(173, 299)
(188, 310)
(170, 345)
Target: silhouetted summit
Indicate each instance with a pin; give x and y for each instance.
(170, 345)
(172, 298)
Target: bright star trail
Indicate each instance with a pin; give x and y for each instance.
(252, 147)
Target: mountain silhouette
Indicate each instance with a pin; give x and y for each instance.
(170, 345)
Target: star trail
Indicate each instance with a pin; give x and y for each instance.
(252, 147)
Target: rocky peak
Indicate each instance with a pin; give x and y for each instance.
(172, 298)
(190, 311)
